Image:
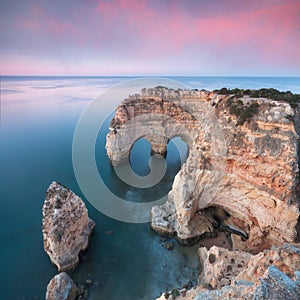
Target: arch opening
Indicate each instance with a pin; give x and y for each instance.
(177, 147)
(175, 154)
(139, 156)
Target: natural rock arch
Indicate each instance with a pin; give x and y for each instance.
(159, 143)
(134, 120)
(230, 165)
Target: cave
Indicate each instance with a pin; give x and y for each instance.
(226, 223)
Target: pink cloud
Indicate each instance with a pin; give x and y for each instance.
(41, 22)
(260, 34)
(176, 28)
(264, 29)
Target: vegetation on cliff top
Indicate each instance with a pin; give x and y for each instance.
(270, 93)
(243, 112)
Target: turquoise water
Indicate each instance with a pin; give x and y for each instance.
(38, 118)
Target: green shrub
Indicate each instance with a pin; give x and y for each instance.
(242, 111)
(270, 93)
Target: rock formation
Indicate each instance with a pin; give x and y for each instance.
(241, 173)
(61, 287)
(271, 274)
(66, 226)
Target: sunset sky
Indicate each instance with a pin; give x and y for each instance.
(150, 37)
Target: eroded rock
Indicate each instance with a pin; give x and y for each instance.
(270, 274)
(246, 168)
(219, 266)
(61, 287)
(66, 226)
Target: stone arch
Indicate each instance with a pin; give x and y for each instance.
(158, 127)
(229, 164)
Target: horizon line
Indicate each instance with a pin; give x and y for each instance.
(263, 76)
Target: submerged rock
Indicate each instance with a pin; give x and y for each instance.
(169, 245)
(61, 287)
(66, 226)
(88, 281)
(82, 292)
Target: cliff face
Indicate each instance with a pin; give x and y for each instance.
(241, 173)
(66, 226)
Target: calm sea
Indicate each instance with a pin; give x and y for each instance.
(38, 118)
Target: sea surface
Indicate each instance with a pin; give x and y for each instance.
(124, 260)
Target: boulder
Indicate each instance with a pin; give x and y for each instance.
(61, 287)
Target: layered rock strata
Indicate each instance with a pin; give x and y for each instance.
(271, 274)
(61, 287)
(241, 173)
(66, 226)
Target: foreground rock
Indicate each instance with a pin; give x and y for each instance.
(61, 287)
(219, 266)
(241, 174)
(271, 274)
(66, 226)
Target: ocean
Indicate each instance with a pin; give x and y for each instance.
(38, 120)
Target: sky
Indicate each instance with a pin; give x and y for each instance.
(150, 37)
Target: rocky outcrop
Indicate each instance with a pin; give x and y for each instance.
(271, 274)
(66, 226)
(241, 173)
(219, 266)
(61, 287)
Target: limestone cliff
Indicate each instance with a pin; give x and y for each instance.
(241, 173)
(66, 226)
(271, 274)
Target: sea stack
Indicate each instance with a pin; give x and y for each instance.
(66, 226)
(61, 287)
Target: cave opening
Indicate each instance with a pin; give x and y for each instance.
(224, 226)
